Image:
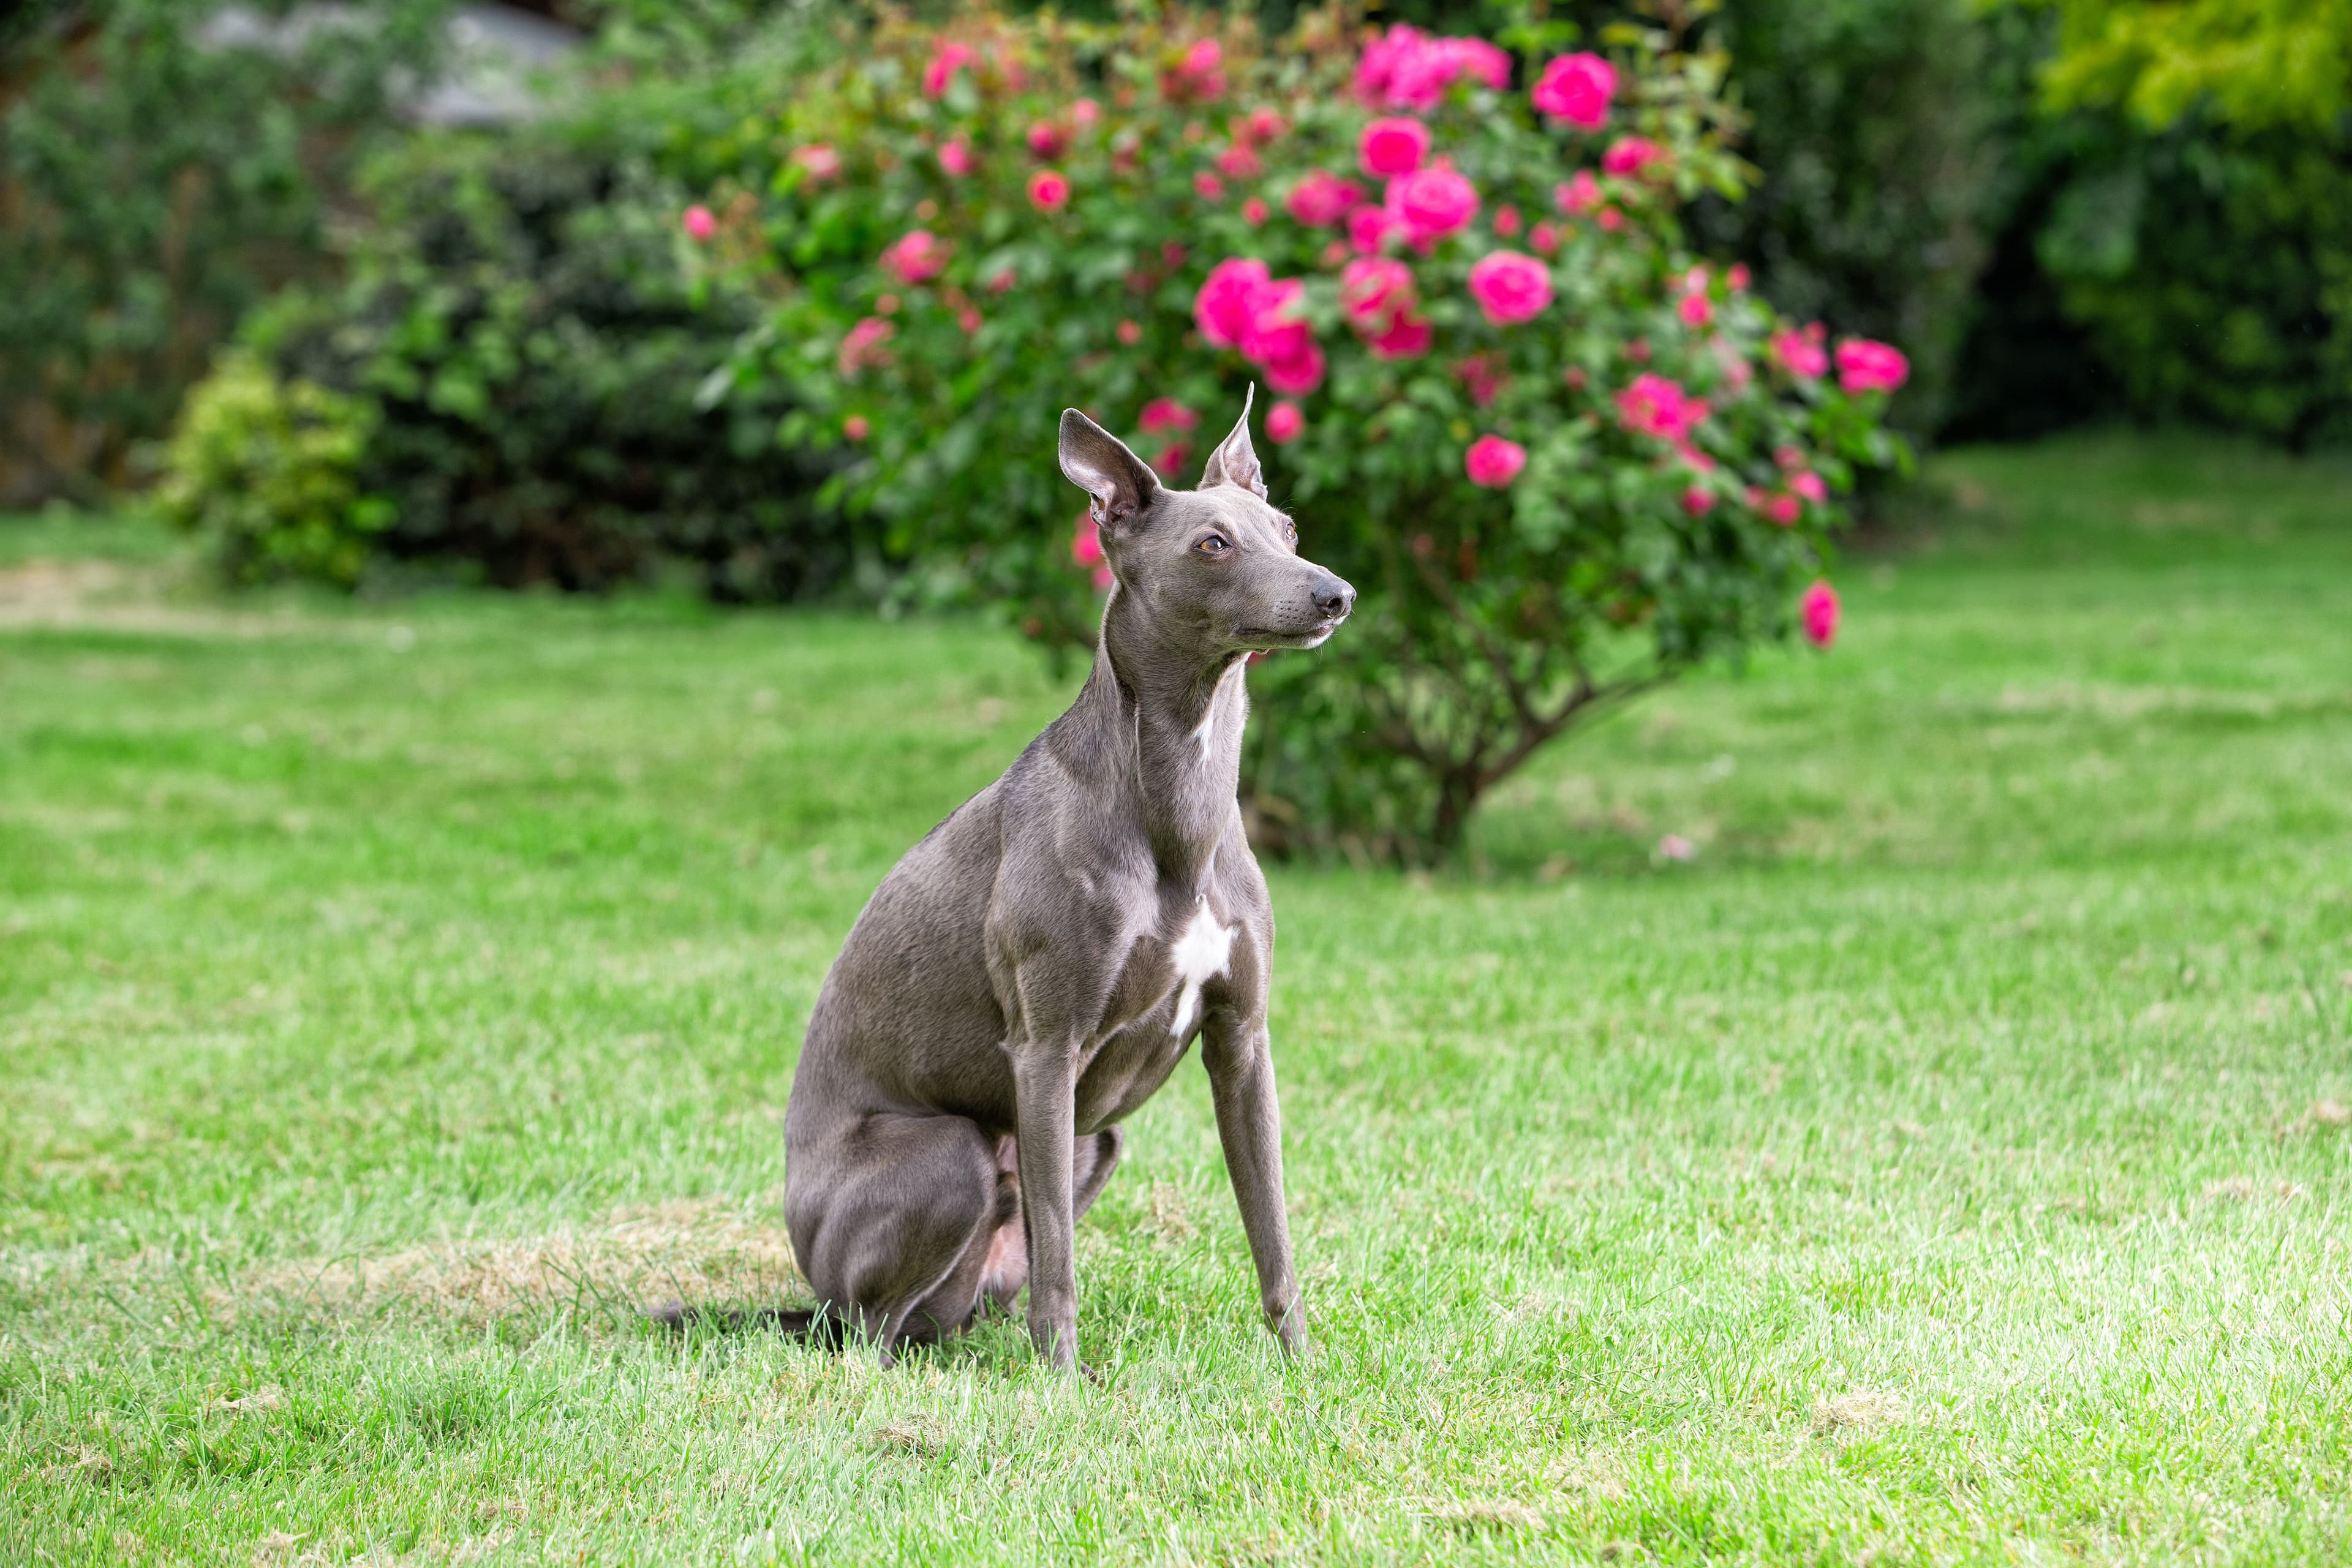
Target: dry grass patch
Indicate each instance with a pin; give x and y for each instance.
(697, 1251)
(1857, 1412)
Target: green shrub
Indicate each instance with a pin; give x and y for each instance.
(1675, 492)
(520, 318)
(268, 470)
(150, 192)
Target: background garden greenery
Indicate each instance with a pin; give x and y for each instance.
(1949, 1163)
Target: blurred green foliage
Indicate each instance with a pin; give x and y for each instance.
(150, 192)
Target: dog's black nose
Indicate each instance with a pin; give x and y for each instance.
(1333, 597)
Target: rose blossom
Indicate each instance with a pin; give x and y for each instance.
(1579, 195)
(1506, 222)
(1171, 456)
(1404, 67)
(1737, 275)
(1165, 413)
(1375, 291)
(856, 427)
(1576, 88)
(1808, 485)
(1048, 191)
(915, 256)
(1482, 377)
(957, 157)
(1321, 198)
(1085, 540)
(1263, 125)
(1131, 332)
(1221, 309)
(1544, 238)
(1820, 609)
(862, 345)
(1255, 212)
(1285, 423)
(820, 162)
(1084, 112)
(1395, 146)
(1784, 508)
(945, 62)
(1272, 333)
(1697, 499)
(1695, 310)
(1653, 405)
(1632, 155)
(1239, 162)
(1047, 140)
(1408, 338)
(1211, 188)
(1864, 365)
(1432, 203)
(1368, 228)
(1493, 462)
(698, 222)
(1801, 354)
(1200, 78)
(1510, 287)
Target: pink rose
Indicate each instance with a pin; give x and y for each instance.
(1820, 609)
(1322, 198)
(1808, 485)
(1409, 338)
(698, 222)
(1493, 462)
(1431, 203)
(1579, 195)
(1631, 156)
(1507, 221)
(1272, 330)
(1789, 454)
(1368, 228)
(1737, 275)
(1165, 413)
(1510, 287)
(1544, 238)
(862, 345)
(948, 60)
(1285, 423)
(1479, 60)
(1200, 77)
(1576, 88)
(1482, 377)
(1263, 125)
(1375, 291)
(1255, 212)
(1653, 405)
(1211, 188)
(856, 427)
(914, 256)
(820, 161)
(1295, 374)
(1131, 332)
(1398, 145)
(1171, 456)
(1048, 191)
(969, 319)
(1697, 499)
(1221, 309)
(1085, 540)
(1864, 365)
(1047, 140)
(957, 157)
(1784, 510)
(1695, 309)
(1800, 352)
(1084, 112)
(1404, 67)
(1239, 161)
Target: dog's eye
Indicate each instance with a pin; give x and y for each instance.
(1289, 532)
(1214, 544)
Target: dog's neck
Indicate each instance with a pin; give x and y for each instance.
(1182, 714)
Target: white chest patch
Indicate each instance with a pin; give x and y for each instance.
(1205, 949)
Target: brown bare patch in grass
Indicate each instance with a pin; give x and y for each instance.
(2246, 1189)
(693, 1250)
(1474, 1514)
(1857, 1412)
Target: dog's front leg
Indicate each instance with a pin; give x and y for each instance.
(1240, 1059)
(1045, 1108)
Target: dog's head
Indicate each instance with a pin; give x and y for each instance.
(1218, 564)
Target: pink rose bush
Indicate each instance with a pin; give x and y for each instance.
(1495, 384)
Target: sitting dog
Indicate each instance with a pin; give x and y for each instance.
(1035, 968)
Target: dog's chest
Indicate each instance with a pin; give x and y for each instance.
(1169, 980)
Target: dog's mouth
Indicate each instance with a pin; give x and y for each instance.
(1313, 636)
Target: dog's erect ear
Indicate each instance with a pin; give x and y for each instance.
(1098, 463)
(1235, 462)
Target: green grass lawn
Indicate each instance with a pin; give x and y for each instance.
(1949, 1165)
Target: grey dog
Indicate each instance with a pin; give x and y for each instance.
(1035, 968)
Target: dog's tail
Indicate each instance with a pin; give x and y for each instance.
(816, 1324)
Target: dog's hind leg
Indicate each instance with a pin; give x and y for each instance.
(885, 1221)
(1006, 1269)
